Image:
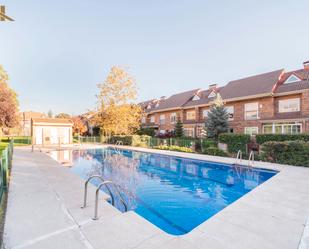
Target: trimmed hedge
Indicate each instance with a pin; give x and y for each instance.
(206, 143)
(287, 152)
(132, 140)
(262, 138)
(235, 142)
(214, 151)
(173, 148)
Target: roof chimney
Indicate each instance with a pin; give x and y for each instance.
(213, 86)
(306, 65)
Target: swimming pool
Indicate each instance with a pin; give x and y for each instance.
(175, 194)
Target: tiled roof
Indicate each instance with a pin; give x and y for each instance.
(254, 85)
(175, 101)
(29, 115)
(146, 103)
(203, 95)
(295, 86)
(52, 120)
(266, 83)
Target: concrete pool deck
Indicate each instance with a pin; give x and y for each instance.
(45, 198)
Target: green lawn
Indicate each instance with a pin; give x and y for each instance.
(18, 141)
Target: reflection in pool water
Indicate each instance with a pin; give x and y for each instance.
(175, 194)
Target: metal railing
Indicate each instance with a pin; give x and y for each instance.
(239, 157)
(5, 165)
(182, 142)
(103, 183)
(86, 188)
(86, 139)
(113, 199)
(251, 159)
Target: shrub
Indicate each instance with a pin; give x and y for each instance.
(262, 138)
(146, 131)
(173, 148)
(141, 141)
(287, 152)
(235, 142)
(214, 151)
(206, 143)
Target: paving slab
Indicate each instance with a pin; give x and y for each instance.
(45, 198)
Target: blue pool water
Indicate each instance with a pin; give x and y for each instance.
(175, 194)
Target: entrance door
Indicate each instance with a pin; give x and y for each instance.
(53, 135)
(38, 135)
(66, 135)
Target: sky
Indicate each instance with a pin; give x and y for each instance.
(56, 52)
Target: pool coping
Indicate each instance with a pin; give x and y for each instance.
(253, 221)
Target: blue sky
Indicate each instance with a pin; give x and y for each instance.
(56, 52)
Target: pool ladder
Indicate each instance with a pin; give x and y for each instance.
(103, 183)
(250, 160)
(118, 143)
(239, 157)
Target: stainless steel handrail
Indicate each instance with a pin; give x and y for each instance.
(251, 159)
(239, 157)
(86, 188)
(97, 198)
(119, 142)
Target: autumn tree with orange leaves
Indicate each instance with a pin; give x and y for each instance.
(79, 126)
(116, 111)
(8, 103)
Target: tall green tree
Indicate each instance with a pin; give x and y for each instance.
(179, 128)
(8, 103)
(217, 121)
(50, 114)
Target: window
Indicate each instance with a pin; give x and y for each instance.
(205, 113)
(251, 111)
(162, 132)
(292, 78)
(173, 118)
(162, 119)
(191, 115)
(143, 120)
(189, 132)
(282, 128)
(149, 106)
(251, 130)
(212, 94)
(230, 111)
(152, 119)
(157, 104)
(195, 98)
(289, 105)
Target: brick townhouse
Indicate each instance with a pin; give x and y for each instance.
(273, 102)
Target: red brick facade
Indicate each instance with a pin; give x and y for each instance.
(279, 107)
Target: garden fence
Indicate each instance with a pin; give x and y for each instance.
(5, 166)
(87, 139)
(182, 142)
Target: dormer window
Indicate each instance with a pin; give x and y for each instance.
(212, 94)
(157, 105)
(195, 98)
(148, 107)
(292, 78)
